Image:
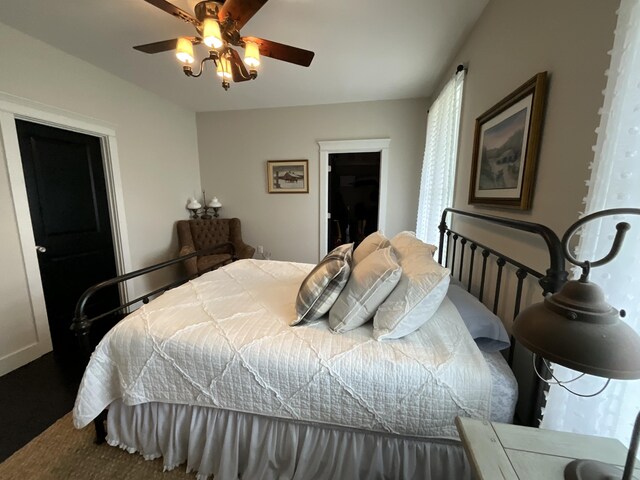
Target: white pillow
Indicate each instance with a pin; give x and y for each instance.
(370, 283)
(422, 287)
(405, 242)
(370, 244)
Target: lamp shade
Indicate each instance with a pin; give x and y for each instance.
(251, 54)
(577, 328)
(214, 203)
(184, 50)
(193, 203)
(212, 37)
(223, 68)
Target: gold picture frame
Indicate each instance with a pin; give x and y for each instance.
(505, 148)
(288, 176)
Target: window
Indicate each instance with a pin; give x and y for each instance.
(613, 184)
(440, 155)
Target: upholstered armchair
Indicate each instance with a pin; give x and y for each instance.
(194, 235)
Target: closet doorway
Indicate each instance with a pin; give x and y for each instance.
(353, 190)
(354, 197)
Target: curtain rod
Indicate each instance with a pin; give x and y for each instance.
(461, 68)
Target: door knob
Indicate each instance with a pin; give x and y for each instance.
(40, 249)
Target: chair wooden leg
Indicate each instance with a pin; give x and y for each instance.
(101, 430)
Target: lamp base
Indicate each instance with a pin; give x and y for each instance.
(592, 470)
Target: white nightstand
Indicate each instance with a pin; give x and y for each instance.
(500, 451)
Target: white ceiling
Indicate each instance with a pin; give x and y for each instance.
(365, 49)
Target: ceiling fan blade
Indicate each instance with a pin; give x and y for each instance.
(238, 70)
(173, 10)
(283, 52)
(164, 45)
(240, 10)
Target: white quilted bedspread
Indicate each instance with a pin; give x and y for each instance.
(223, 340)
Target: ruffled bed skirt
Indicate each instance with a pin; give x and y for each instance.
(230, 445)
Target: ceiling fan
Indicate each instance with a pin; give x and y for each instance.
(218, 23)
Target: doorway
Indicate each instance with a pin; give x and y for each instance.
(373, 155)
(68, 204)
(354, 197)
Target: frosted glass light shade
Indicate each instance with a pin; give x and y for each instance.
(211, 33)
(224, 68)
(214, 203)
(251, 54)
(193, 203)
(184, 50)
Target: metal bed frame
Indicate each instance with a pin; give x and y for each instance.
(531, 403)
(532, 394)
(81, 324)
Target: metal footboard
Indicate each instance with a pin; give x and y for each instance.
(82, 323)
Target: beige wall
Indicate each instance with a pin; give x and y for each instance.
(158, 159)
(159, 153)
(234, 148)
(512, 41)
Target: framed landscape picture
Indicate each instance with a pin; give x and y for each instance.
(288, 176)
(505, 149)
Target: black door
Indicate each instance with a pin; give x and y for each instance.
(69, 210)
(354, 191)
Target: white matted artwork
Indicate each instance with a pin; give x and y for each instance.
(288, 176)
(507, 138)
(503, 141)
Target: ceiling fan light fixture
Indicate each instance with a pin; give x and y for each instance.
(223, 69)
(184, 51)
(218, 24)
(251, 54)
(212, 37)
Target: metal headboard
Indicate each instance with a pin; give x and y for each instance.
(532, 394)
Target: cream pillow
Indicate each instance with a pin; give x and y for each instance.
(422, 287)
(405, 242)
(371, 281)
(320, 289)
(370, 244)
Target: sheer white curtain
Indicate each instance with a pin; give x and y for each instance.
(440, 155)
(614, 183)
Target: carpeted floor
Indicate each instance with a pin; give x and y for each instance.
(62, 452)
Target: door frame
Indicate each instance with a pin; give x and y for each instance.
(12, 108)
(350, 146)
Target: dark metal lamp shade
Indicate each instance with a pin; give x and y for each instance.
(576, 328)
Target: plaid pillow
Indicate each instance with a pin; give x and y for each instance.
(370, 283)
(322, 286)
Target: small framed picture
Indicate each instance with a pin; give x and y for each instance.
(288, 176)
(505, 149)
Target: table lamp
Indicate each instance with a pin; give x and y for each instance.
(578, 329)
(215, 205)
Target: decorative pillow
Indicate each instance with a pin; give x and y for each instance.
(370, 244)
(324, 283)
(370, 283)
(422, 287)
(405, 242)
(485, 327)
